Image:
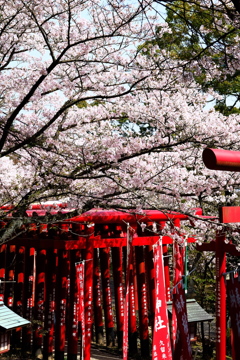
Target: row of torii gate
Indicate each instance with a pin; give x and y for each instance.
(44, 261)
(42, 279)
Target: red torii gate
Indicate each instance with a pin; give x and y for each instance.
(226, 160)
(94, 229)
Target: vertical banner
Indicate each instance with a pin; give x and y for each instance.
(176, 279)
(161, 348)
(117, 255)
(142, 300)
(81, 316)
(88, 293)
(233, 294)
(126, 308)
(166, 271)
(73, 308)
(150, 273)
(183, 348)
(97, 297)
(132, 328)
(107, 296)
(178, 256)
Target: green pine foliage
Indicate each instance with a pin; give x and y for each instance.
(197, 34)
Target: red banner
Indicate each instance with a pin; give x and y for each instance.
(233, 294)
(161, 338)
(80, 310)
(126, 307)
(178, 256)
(183, 348)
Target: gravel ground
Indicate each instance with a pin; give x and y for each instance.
(97, 354)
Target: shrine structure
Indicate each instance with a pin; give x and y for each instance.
(44, 261)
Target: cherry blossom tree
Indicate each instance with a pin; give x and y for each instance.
(89, 118)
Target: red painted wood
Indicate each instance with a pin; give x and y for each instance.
(132, 314)
(97, 298)
(98, 242)
(142, 300)
(117, 217)
(107, 296)
(73, 316)
(150, 272)
(61, 304)
(231, 249)
(211, 246)
(221, 299)
(70, 235)
(39, 298)
(50, 307)
(218, 159)
(220, 248)
(229, 214)
(19, 291)
(2, 269)
(29, 301)
(88, 295)
(117, 261)
(9, 288)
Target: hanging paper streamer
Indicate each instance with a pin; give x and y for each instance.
(80, 282)
(233, 291)
(161, 349)
(130, 233)
(183, 348)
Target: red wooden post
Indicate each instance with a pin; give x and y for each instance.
(73, 308)
(2, 269)
(9, 289)
(28, 290)
(50, 303)
(132, 315)
(129, 305)
(107, 297)
(117, 261)
(142, 300)
(221, 298)
(88, 296)
(97, 296)
(19, 290)
(61, 304)
(39, 299)
(20, 259)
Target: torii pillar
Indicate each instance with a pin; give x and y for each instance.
(226, 160)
